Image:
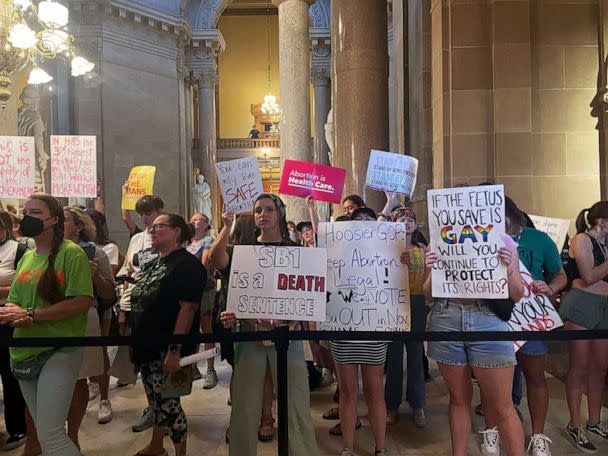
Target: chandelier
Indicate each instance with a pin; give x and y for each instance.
(30, 34)
(269, 106)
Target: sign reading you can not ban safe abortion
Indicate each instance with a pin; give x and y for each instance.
(467, 228)
(367, 284)
(280, 283)
(240, 182)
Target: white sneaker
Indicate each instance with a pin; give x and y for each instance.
(539, 444)
(327, 378)
(93, 390)
(105, 412)
(419, 418)
(490, 445)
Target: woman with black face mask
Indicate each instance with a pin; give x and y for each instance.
(49, 297)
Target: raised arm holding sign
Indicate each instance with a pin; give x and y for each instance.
(393, 172)
(240, 182)
(74, 166)
(140, 183)
(321, 182)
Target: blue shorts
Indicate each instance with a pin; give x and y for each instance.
(451, 316)
(534, 348)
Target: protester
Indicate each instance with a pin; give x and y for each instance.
(351, 203)
(139, 252)
(540, 257)
(11, 252)
(166, 301)
(371, 356)
(154, 201)
(586, 307)
(50, 297)
(294, 234)
(251, 358)
(413, 257)
(492, 362)
(199, 247)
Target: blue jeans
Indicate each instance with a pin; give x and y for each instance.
(48, 399)
(393, 388)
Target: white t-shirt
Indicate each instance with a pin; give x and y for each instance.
(8, 251)
(111, 250)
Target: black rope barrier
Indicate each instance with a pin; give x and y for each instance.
(281, 336)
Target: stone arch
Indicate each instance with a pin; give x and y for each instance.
(204, 14)
(320, 14)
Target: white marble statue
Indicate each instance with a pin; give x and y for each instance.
(30, 123)
(329, 134)
(202, 197)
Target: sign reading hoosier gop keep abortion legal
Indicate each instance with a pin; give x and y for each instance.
(74, 166)
(17, 166)
(392, 172)
(467, 228)
(240, 182)
(533, 312)
(321, 182)
(367, 283)
(140, 183)
(278, 283)
(556, 229)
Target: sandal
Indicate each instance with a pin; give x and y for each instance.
(337, 429)
(141, 453)
(332, 414)
(266, 430)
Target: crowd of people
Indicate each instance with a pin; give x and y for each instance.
(62, 275)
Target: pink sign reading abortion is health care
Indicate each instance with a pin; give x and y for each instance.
(323, 183)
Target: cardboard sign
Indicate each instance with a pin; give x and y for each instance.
(323, 183)
(141, 183)
(278, 283)
(74, 166)
(533, 312)
(556, 229)
(240, 182)
(17, 166)
(392, 172)
(367, 283)
(467, 228)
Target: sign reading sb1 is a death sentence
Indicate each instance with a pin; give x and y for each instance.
(392, 172)
(74, 166)
(140, 183)
(240, 182)
(17, 166)
(467, 228)
(533, 312)
(321, 182)
(278, 283)
(367, 284)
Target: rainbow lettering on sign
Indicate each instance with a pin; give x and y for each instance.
(450, 237)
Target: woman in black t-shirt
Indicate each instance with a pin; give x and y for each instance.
(166, 301)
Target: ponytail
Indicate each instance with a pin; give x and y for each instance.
(581, 222)
(588, 217)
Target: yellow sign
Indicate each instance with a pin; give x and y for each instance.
(140, 183)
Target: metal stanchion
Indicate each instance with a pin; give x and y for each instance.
(281, 343)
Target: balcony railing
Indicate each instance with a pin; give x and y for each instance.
(246, 143)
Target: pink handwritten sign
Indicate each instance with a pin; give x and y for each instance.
(74, 166)
(17, 166)
(323, 183)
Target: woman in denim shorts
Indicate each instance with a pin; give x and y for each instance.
(492, 362)
(586, 307)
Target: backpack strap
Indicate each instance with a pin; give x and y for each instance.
(21, 249)
(90, 251)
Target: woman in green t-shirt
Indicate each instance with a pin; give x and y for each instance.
(49, 297)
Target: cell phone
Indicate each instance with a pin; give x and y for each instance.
(510, 244)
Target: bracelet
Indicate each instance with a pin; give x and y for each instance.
(509, 274)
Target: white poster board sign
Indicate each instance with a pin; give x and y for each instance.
(17, 166)
(556, 229)
(74, 166)
(467, 228)
(240, 182)
(533, 312)
(367, 283)
(392, 172)
(278, 283)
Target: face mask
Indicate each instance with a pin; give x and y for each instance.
(32, 226)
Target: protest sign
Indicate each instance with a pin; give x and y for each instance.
(278, 283)
(392, 172)
(240, 182)
(556, 229)
(74, 166)
(467, 227)
(140, 183)
(322, 182)
(533, 312)
(367, 283)
(17, 166)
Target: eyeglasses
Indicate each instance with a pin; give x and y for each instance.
(160, 226)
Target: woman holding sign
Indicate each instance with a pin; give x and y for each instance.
(251, 358)
(492, 362)
(586, 307)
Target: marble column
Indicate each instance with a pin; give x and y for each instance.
(322, 103)
(600, 101)
(207, 133)
(360, 89)
(294, 68)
